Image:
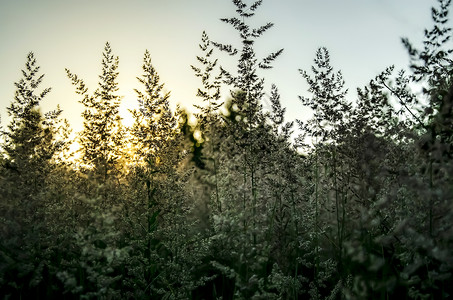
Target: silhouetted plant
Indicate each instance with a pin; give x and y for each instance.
(101, 141)
(208, 116)
(30, 152)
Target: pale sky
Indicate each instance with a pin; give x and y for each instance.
(363, 37)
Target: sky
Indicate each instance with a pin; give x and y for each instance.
(362, 36)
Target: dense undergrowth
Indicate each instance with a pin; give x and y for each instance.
(358, 206)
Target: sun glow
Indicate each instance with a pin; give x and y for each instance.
(129, 102)
(72, 155)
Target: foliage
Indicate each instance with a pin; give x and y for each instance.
(101, 141)
(358, 206)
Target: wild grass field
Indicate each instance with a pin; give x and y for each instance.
(354, 203)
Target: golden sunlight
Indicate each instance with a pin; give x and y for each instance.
(129, 102)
